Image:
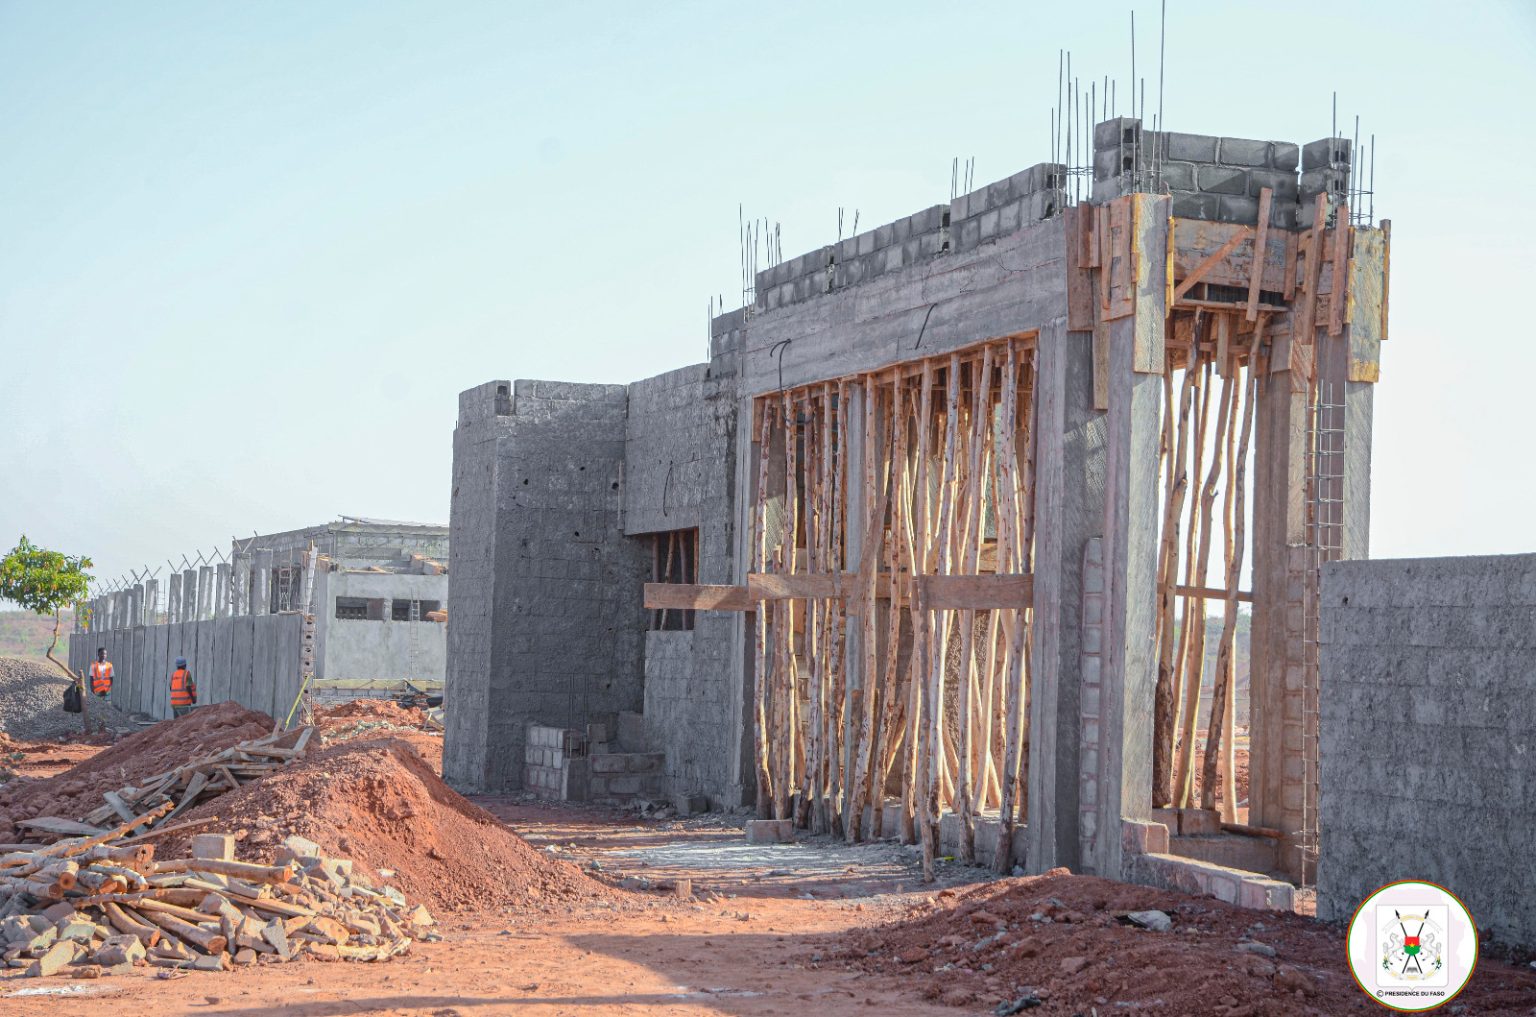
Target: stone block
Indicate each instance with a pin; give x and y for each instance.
(770, 831)
(610, 762)
(1199, 822)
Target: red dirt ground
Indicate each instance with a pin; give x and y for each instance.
(169, 744)
(379, 803)
(1059, 937)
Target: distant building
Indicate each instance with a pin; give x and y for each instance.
(351, 601)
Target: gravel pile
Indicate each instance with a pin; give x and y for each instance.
(32, 704)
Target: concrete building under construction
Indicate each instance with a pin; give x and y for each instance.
(927, 547)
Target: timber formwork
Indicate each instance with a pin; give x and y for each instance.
(974, 568)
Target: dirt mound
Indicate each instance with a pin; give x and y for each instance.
(385, 711)
(1060, 937)
(379, 803)
(153, 750)
(32, 703)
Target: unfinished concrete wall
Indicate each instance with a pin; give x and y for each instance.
(546, 619)
(253, 660)
(1428, 706)
(680, 470)
(386, 647)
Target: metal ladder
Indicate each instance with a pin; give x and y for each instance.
(1324, 543)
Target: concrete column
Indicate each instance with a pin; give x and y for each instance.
(1069, 509)
(1092, 685)
(261, 589)
(240, 592)
(152, 602)
(204, 592)
(189, 595)
(221, 590)
(138, 605)
(1131, 533)
(173, 599)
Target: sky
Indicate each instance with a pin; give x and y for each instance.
(251, 253)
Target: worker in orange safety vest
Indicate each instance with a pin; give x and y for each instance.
(101, 674)
(183, 689)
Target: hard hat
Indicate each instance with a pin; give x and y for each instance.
(181, 662)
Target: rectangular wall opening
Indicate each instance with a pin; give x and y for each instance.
(674, 559)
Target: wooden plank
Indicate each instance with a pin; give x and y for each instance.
(1200, 271)
(696, 597)
(1339, 286)
(63, 827)
(798, 585)
(1212, 593)
(1260, 243)
(1193, 240)
(1080, 293)
(119, 806)
(979, 592)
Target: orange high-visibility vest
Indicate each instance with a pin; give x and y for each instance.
(101, 677)
(183, 688)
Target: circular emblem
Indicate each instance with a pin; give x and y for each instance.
(1412, 946)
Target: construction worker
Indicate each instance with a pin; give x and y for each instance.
(183, 689)
(101, 674)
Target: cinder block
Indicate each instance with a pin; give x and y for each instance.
(770, 831)
(1199, 822)
(1222, 180)
(1140, 838)
(1196, 206)
(1283, 184)
(1283, 155)
(1243, 152)
(1120, 131)
(1267, 895)
(1324, 179)
(218, 846)
(1325, 152)
(1237, 208)
(1179, 176)
(1189, 147)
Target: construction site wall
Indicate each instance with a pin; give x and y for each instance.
(253, 660)
(547, 623)
(1428, 703)
(679, 466)
(383, 644)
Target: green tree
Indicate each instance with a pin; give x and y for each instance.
(44, 582)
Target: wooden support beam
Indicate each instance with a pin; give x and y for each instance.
(799, 585)
(694, 597)
(978, 592)
(1260, 242)
(1212, 593)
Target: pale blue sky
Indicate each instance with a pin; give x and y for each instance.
(250, 253)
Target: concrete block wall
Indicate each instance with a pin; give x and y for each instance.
(555, 764)
(680, 465)
(1218, 178)
(994, 210)
(1428, 711)
(551, 606)
(253, 660)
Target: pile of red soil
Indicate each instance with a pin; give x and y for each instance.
(375, 711)
(154, 750)
(379, 803)
(1061, 938)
